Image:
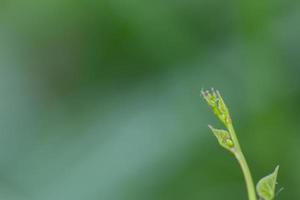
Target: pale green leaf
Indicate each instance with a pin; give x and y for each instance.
(223, 137)
(267, 185)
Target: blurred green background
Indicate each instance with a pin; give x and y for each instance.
(99, 100)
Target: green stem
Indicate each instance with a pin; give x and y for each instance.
(247, 174)
(243, 163)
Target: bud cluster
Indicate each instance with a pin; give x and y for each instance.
(216, 102)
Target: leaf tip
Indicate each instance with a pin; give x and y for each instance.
(267, 185)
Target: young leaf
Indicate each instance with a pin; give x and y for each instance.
(266, 186)
(223, 137)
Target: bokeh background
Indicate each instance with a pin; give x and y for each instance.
(99, 100)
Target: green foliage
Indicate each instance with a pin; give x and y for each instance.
(228, 140)
(223, 137)
(266, 186)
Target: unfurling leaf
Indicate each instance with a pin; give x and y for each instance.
(224, 138)
(267, 185)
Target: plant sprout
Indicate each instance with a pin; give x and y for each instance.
(228, 139)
